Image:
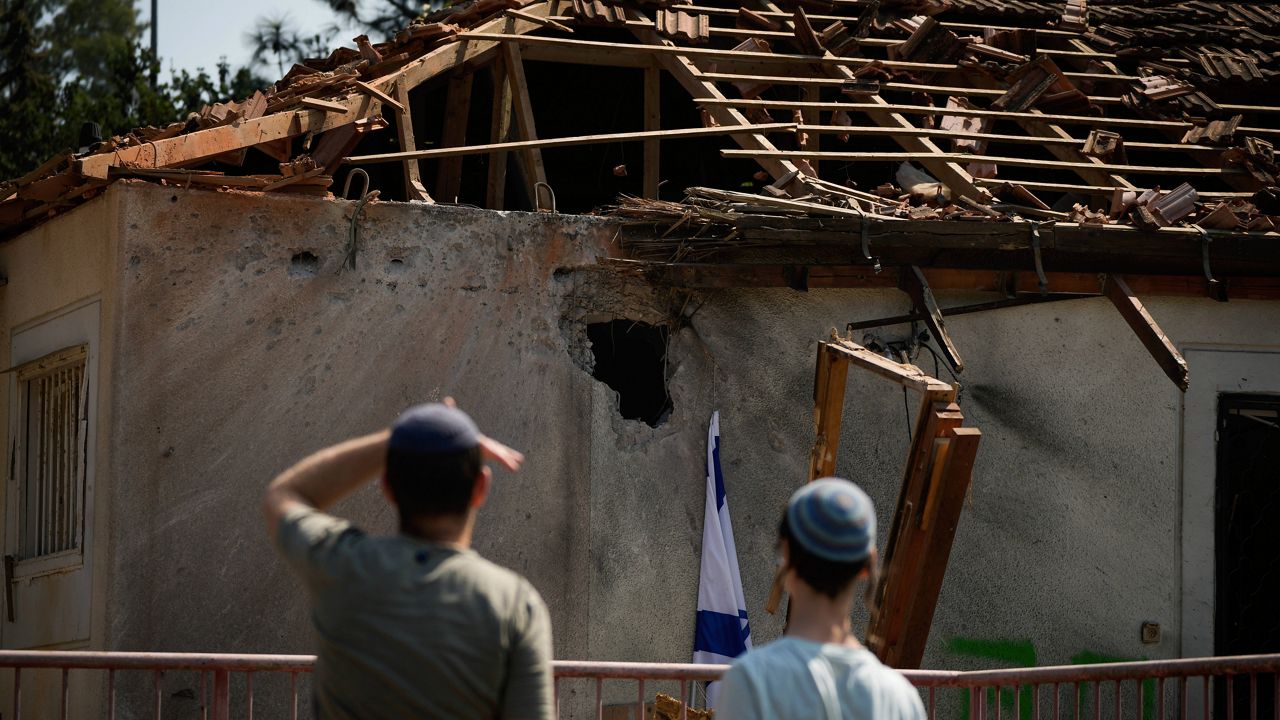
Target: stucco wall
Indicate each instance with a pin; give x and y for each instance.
(231, 362)
(59, 267)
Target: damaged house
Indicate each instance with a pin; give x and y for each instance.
(595, 223)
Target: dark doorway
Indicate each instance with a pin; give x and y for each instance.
(631, 358)
(1248, 542)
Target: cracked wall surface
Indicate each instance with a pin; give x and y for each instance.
(237, 347)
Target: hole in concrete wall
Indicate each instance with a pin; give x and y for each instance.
(304, 264)
(630, 357)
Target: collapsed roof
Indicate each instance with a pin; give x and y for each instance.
(1088, 115)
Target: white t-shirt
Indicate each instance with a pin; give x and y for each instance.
(801, 679)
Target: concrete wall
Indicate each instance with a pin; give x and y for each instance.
(231, 361)
(53, 270)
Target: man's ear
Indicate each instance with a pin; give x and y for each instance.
(480, 492)
(869, 568)
(387, 492)
(784, 568)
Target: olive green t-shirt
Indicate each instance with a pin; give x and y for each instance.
(412, 629)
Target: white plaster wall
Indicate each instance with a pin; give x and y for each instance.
(228, 368)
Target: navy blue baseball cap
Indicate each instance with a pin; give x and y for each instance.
(433, 428)
(833, 519)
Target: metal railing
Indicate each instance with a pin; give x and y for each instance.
(1203, 687)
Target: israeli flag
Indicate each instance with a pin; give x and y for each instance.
(722, 632)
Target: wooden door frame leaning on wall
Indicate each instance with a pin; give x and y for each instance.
(939, 468)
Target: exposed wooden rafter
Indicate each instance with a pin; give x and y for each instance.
(413, 187)
(457, 108)
(1145, 327)
(686, 72)
(531, 157)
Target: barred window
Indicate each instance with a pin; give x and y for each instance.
(52, 405)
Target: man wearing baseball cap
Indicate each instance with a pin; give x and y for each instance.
(818, 670)
(415, 625)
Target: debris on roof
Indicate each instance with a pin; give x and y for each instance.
(1070, 112)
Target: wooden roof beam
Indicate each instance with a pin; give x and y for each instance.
(572, 141)
(908, 376)
(952, 174)
(998, 138)
(1148, 331)
(690, 77)
(1081, 167)
(471, 46)
(712, 54)
(1088, 120)
(361, 103)
(785, 275)
(205, 144)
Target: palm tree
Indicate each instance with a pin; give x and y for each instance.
(387, 16)
(276, 36)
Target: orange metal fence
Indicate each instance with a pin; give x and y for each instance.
(1224, 687)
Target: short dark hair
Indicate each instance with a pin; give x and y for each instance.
(828, 577)
(432, 484)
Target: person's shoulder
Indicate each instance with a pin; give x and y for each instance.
(768, 657)
(890, 685)
(871, 665)
(494, 578)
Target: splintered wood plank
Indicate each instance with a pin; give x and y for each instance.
(499, 133)
(335, 145)
(204, 144)
(525, 126)
(281, 150)
(944, 503)
(828, 400)
(46, 168)
(1148, 331)
(293, 179)
(907, 375)
(413, 188)
(325, 105)
(903, 554)
(383, 97)
(914, 284)
(457, 110)
(652, 123)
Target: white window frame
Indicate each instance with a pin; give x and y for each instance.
(34, 343)
(28, 373)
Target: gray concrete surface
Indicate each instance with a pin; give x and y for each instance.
(231, 362)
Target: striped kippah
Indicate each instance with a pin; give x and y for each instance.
(833, 519)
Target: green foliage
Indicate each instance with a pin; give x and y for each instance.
(67, 62)
(385, 17)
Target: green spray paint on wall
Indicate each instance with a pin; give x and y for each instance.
(1012, 653)
(1022, 653)
(1148, 686)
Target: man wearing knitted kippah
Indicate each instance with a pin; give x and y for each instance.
(827, 542)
